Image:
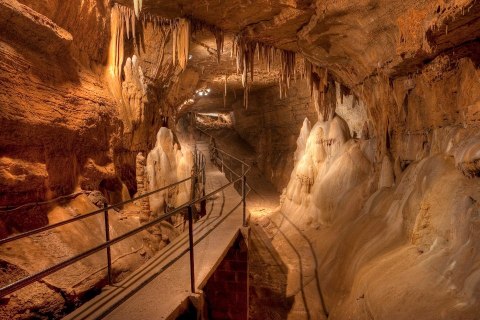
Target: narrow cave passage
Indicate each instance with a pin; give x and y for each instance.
(261, 159)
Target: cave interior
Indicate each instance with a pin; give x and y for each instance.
(359, 121)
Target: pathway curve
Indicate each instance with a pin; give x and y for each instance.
(161, 287)
(284, 282)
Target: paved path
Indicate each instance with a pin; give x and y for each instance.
(160, 288)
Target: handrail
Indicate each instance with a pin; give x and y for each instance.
(86, 215)
(39, 275)
(10, 288)
(220, 150)
(245, 170)
(7, 209)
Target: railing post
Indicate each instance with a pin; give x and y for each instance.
(243, 173)
(204, 176)
(107, 238)
(195, 158)
(193, 181)
(221, 154)
(244, 184)
(198, 161)
(190, 240)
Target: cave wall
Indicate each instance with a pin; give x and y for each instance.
(368, 46)
(64, 132)
(57, 118)
(53, 64)
(271, 125)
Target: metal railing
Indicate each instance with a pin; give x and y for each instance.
(220, 162)
(198, 172)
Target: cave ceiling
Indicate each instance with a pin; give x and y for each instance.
(354, 40)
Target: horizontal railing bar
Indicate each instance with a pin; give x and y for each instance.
(205, 197)
(233, 157)
(37, 276)
(230, 169)
(90, 214)
(226, 153)
(8, 209)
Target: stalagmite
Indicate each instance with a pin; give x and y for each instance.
(302, 140)
(165, 165)
(141, 185)
(320, 151)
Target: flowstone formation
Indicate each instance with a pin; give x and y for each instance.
(329, 164)
(165, 165)
(377, 231)
(415, 225)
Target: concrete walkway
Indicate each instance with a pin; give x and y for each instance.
(160, 289)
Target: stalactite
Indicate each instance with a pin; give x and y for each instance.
(127, 24)
(129, 19)
(245, 56)
(115, 52)
(133, 22)
(245, 70)
(181, 42)
(317, 80)
(131, 94)
(251, 57)
(245, 52)
(287, 70)
(137, 5)
(246, 92)
(164, 39)
(217, 33)
(219, 39)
